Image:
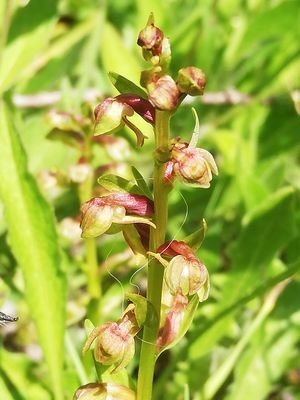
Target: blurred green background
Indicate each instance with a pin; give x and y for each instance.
(56, 54)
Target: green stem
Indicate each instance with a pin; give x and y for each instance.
(155, 269)
(91, 268)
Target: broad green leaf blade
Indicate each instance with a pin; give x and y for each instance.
(30, 30)
(16, 368)
(114, 183)
(268, 356)
(116, 57)
(124, 85)
(33, 240)
(141, 183)
(266, 230)
(221, 374)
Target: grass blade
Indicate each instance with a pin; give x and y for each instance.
(33, 240)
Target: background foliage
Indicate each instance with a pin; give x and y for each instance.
(244, 342)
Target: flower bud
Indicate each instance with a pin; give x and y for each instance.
(103, 391)
(96, 218)
(150, 38)
(188, 275)
(163, 93)
(99, 213)
(172, 325)
(156, 47)
(191, 80)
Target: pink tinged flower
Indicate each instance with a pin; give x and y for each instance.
(191, 80)
(184, 273)
(99, 213)
(114, 345)
(173, 320)
(109, 116)
(114, 341)
(103, 391)
(113, 113)
(193, 165)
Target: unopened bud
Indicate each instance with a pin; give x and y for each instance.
(96, 218)
(163, 93)
(150, 38)
(172, 324)
(156, 47)
(191, 80)
(103, 391)
(187, 275)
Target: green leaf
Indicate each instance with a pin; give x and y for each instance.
(114, 183)
(133, 239)
(17, 373)
(30, 31)
(185, 323)
(141, 183)
(124, 85)
(144, 311)
(194, 240)
(265, 231)
(34, 244)
(116, 57)
(219, 376)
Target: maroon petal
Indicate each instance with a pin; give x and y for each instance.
(173, 248)
(140, 105)
(134, 204)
